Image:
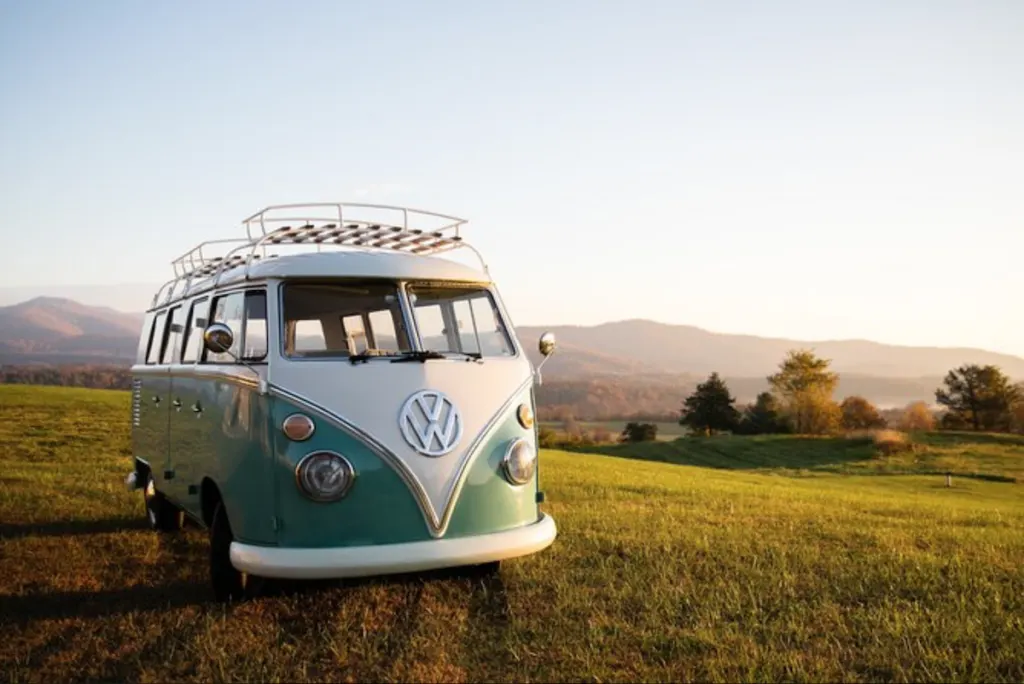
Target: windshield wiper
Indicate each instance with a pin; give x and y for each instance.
(425, 354)
(420, 356)
(364, 356)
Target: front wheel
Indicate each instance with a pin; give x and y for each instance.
(229, 583)
(162, 514)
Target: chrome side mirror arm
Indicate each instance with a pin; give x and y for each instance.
(546, 346)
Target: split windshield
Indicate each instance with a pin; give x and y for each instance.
(360, 321)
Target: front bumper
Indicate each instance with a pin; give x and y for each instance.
(385, 559)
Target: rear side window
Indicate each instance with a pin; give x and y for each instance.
(172, 348)
(156, 338)
(193, 335)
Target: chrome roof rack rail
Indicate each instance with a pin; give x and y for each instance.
(315, 225)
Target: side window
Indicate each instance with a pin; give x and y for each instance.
(228, 309)
(430, 320)
(382, 325)
(156, 338)
(246, 314)
(493, 337)
(172, 348)
(309, 336)
(255, 326)
(193, 336)
(468, 334)
(355, 334)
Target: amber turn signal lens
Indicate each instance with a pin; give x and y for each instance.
(298, 427)
(525, 416)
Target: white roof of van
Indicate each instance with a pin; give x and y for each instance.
(362, 264)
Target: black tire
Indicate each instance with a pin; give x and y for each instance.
(490, 569)
(229, 584)
(163, 516)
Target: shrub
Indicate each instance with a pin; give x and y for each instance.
(547, 438)
(640, 432)
(917, 417)
(860, 414)
(891, 441)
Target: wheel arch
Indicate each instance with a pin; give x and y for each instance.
(209, 497)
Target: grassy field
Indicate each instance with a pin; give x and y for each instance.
(731, 559)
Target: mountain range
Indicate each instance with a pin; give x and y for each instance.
(638, 356)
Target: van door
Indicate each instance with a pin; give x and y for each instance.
(180, 326)
(232, 428)
(153, 407)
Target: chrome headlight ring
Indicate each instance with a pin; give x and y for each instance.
(324, 476)
(519, 462)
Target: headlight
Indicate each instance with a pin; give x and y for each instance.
(324, 476)
(520, 462)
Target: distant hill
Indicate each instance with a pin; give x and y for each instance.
(58, 330)
(620, 369)
(664, 348)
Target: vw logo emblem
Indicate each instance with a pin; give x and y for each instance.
(430, 423)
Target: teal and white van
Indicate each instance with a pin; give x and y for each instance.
(331, 398)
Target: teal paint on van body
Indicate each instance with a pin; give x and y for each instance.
(378, 509)
(238, 457)
(488, 501)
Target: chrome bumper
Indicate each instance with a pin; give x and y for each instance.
(385, 559)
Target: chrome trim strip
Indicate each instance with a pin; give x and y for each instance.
(437, 527)
(199, 372)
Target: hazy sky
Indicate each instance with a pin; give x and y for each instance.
(802, 169)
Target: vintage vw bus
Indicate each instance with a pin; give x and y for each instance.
(330, 398)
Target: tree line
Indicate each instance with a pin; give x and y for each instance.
(98, 376)
(801, 401)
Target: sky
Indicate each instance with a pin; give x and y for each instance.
(806, 170)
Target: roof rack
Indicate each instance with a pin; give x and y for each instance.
(316, 225)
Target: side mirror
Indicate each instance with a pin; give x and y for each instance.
(218, 338)
(547, 344)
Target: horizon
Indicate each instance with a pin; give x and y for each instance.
(5, 301)
(809, 173)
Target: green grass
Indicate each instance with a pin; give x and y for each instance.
(771, 559)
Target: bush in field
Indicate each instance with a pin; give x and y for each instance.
(891, 442)
(762, 417)
(917, 417)
(547, 438)
(860, 414)
(640, 432)
(601, 435)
